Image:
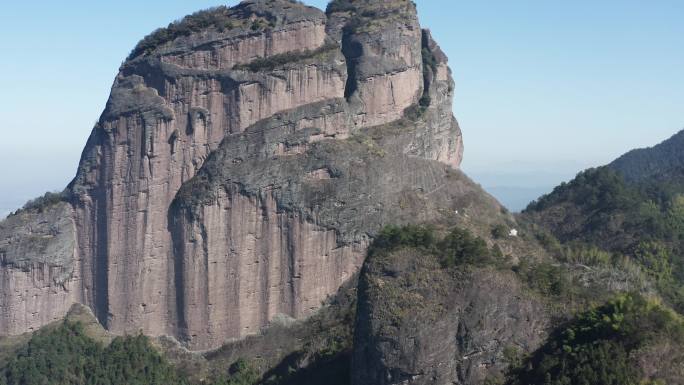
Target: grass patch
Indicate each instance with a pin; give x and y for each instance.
(275, 61)
(220, 18)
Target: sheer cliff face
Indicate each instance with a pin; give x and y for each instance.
(418, 323)
(239, 169)
(39, 270)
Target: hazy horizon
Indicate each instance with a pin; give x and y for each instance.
(543, 89)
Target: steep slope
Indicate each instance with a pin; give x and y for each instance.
(169, 109)
(296, 226)
(631, 207)
(420, 323)
(234, 177)
(629, 340)
(421, 319)
(662, 161)
(450, 307)
(597, 200)
(36, 267)
(235, 197)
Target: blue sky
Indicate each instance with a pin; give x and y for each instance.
(544, 88)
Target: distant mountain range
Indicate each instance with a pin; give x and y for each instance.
(515, 198)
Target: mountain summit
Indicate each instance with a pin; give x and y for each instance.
(272, 196)
(245, 158)
(662, 161)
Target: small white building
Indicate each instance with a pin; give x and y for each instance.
(513, 233)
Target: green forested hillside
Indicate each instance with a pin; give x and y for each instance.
(65, 355)
(641, 221)
(629, 339)
(628, 214)
(606, 345)
(663, 161)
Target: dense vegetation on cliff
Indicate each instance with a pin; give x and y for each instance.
(603, 345)
(599, 206)
(66, 355)
(628, 214)
(458, 247)
(220, 18)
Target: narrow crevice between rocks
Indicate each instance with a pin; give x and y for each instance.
(352, 51)
(101, 284)
(429, 69)
(178, 268)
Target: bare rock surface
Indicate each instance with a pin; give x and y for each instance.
(418, 323)
(271, 232)
(245, 158)
(39, 270)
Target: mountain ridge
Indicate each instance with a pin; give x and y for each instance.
(630, 207)
(272, 195)
(660, 161)
(263, 84)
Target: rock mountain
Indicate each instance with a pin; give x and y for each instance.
(245, 159)
(272, 194)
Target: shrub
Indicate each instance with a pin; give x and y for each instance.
(655, 259)
(429, 59)
(219, 17)
(42, 202)
(642, 220)
(414, 112)
(272, 62)
(586, 254)
(393, 237)
(549, 242)
(429, 70)
(459, 247)
(340, 6)
(65, 355)
(513, 356)
(499, 231)
(425, 100)
(240, 372)
(596, 347)
(544, 277)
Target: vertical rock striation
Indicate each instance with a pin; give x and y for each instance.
(39, 268)
(211, 194)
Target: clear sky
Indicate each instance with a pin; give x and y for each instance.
(544, 88)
